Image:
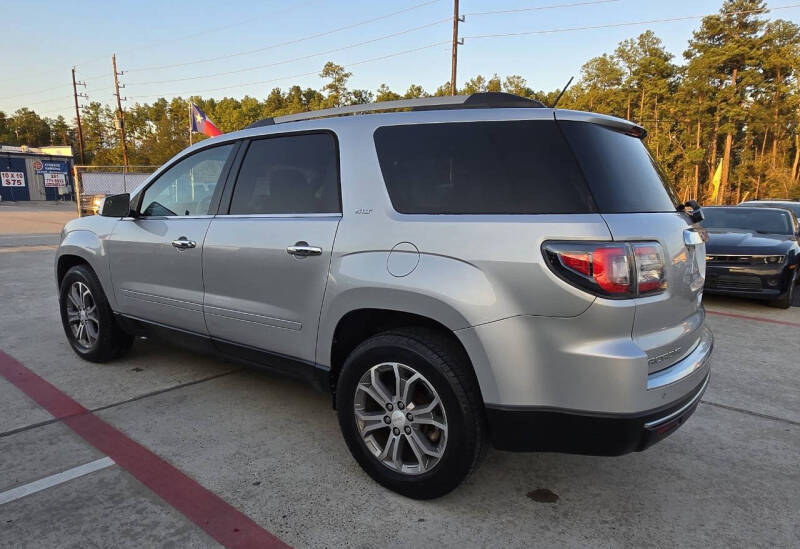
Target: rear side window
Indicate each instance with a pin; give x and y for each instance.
(516, 167)
(292, 174)
(621, 173)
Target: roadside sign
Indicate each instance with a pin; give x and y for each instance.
(49, 166)
(12, 179)
(55, 180)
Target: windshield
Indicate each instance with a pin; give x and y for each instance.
(748, 219)
(794, 207)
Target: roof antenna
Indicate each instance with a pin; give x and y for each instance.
(562, 92)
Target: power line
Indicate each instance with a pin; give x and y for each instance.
(540, 8)
(37, 92)
(313, 73)
(288, 42)
(626, 24)
(295, 59)
(205, 32)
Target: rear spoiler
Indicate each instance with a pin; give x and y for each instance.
(612, 122)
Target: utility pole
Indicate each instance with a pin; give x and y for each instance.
(456, 42)
(120, 118)
(78, 111)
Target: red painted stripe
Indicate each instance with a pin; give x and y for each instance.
(757, 318)
(220, 520)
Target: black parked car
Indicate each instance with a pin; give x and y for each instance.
(752, 252)
(792, 205)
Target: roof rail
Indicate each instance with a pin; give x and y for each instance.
(488, 100)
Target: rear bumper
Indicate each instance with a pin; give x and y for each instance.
(535, 429)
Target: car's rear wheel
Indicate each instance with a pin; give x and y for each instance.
(410, 412)
(87, 318)
(787, 298)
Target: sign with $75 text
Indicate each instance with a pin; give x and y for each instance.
(12, 179)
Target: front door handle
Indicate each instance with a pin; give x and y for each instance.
(302, 249)
(184, 243)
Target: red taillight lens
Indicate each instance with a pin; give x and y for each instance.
(615, 270)
(611, 270)
(580, 262)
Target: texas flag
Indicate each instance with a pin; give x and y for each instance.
(201, 123)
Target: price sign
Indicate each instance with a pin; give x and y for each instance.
(12, 179)
(55, 180)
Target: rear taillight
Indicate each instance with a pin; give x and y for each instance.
(609, 269)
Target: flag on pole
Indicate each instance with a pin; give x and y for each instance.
(202, 124)
(715, 181)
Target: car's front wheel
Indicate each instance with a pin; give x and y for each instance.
(787, 298)
(410, 412)
(88, 320)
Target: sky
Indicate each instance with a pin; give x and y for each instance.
(168, 48)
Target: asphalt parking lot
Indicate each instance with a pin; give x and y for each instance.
(265, 452)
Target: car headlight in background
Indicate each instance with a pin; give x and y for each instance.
(774, 259)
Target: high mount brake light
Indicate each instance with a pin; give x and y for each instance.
(617, 270)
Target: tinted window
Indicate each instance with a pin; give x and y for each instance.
(186, 188)
(621, 173)
(749, 219)
(287, 175)
(515, 167)
(793, 207)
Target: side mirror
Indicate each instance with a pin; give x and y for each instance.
(695, 214)
(116, 205)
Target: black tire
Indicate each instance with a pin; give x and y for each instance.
(444, 365)
(787, 298)
(111, 341)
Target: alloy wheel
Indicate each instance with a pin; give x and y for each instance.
(400, 418)
(82, 315)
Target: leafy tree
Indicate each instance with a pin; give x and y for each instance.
(730, 41)
(385, 94)
(336, 88)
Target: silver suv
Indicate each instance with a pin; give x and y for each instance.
(459, 271)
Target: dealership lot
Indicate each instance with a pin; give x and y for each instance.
(269, 448)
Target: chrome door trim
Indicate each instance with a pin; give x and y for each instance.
(278, 216)
(253, 317)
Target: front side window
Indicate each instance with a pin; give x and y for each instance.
(292, 174)
(187, 187)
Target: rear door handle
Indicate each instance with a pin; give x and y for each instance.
(302, 249)
(184, 243)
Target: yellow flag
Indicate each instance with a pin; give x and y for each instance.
(715, 182)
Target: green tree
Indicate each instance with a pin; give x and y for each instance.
(336, 91)
(730, 42)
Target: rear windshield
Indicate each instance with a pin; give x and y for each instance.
(748, 219)
(623, 176)
(794, 208)
(515, 167)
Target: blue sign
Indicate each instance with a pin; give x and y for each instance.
(50, 166)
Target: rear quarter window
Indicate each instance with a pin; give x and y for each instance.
(515, 167)
(622, 175)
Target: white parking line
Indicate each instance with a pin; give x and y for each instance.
(54, 480)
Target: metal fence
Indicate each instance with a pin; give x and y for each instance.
(92, 183)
